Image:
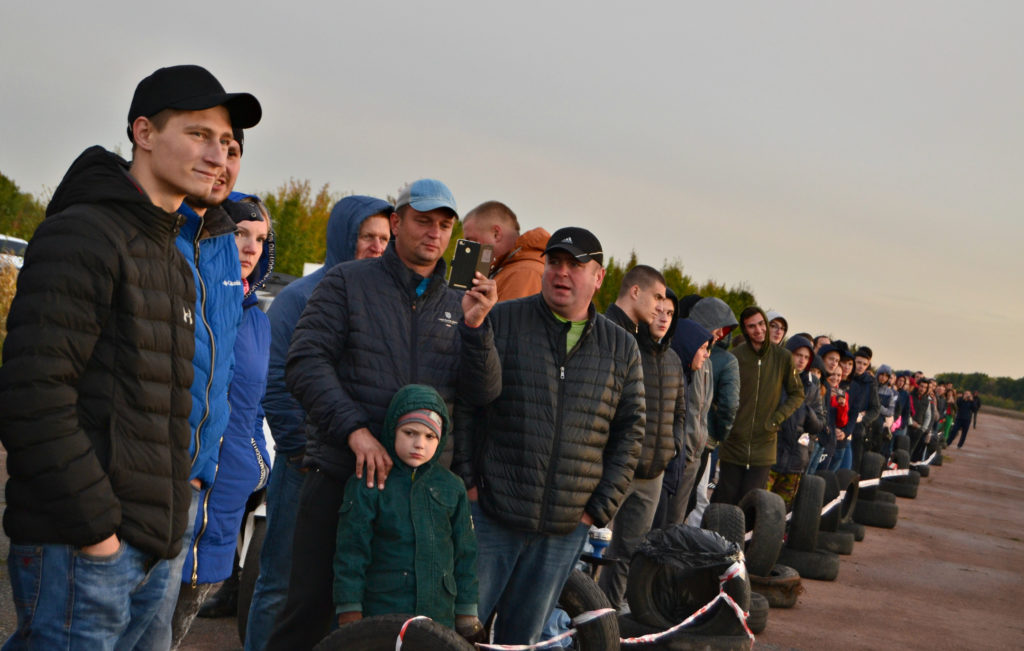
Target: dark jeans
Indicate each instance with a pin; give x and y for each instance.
(521, 575)
(917, 443)
(629, 526)
(960, 426)
(857, 447)
(271, 591)
(308, 614)
(736, 481)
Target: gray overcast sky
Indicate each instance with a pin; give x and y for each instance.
(859, 165)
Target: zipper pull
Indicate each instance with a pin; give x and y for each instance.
(561, 372)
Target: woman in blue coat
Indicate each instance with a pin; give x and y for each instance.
(243, 465)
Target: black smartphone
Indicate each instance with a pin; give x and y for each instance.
(470, 257)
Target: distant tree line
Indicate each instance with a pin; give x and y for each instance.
(20, 212)
(300, 220)
(996, 392)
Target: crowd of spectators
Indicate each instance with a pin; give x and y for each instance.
(437, 451)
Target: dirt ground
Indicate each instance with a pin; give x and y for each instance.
(949, 576)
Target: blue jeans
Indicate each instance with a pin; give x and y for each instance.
(521, 575)
(69, 600)
(842, 459)
(817, 452)
(157, 635)
(271, 589)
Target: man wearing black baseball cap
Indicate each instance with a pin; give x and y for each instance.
(190, 88)
(555, 453)
(97, 369)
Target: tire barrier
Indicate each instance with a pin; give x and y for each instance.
(837, 542)
(726, 520)
(818, 565)
(740, 608)
(757, 620)
(764, 514)
(719, 623)
(386, 632)
(781, 588)
(805, 518)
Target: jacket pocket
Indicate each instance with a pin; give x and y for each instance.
(26, 577)
(448, 501)
(449, 584)
(395, 581)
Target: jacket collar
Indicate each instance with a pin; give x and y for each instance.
(408, 279)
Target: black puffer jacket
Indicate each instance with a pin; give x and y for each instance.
(565, 434)
(94, 388)
(364, 335)
(665, 390)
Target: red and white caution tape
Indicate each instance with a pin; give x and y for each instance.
(582, 618)
(736, 569)
(834, 503)
(401, 633)
(894, 473)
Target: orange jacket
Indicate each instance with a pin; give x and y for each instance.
(518, 273)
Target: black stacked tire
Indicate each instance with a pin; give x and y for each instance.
(720, 629)
(757, 620)
(381, 633)
(579, 595)
(726, 520)
(830, 519)
(806, 515)
(876, 514)
(837, 542)
(764, 514)
(885, 496)
(781, 587)
(856, 528)
(901, 443)
(922, 469)
(849, 481)
(902, 485)
(870, 468)
(662, 596)
(902, 459)
(817, 565)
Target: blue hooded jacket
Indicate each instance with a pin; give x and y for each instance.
(284, 413)
(216, 272)
(243, 466)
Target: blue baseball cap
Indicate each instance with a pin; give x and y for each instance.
(426, 195)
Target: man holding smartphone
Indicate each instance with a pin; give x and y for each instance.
(555, 453)
(371, 327)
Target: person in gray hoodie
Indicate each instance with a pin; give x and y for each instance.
(692, 343)
(357, 228)
(715, 315)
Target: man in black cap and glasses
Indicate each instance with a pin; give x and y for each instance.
(94, 388)
(555, 453)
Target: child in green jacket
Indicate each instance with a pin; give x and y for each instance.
(409, 547)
